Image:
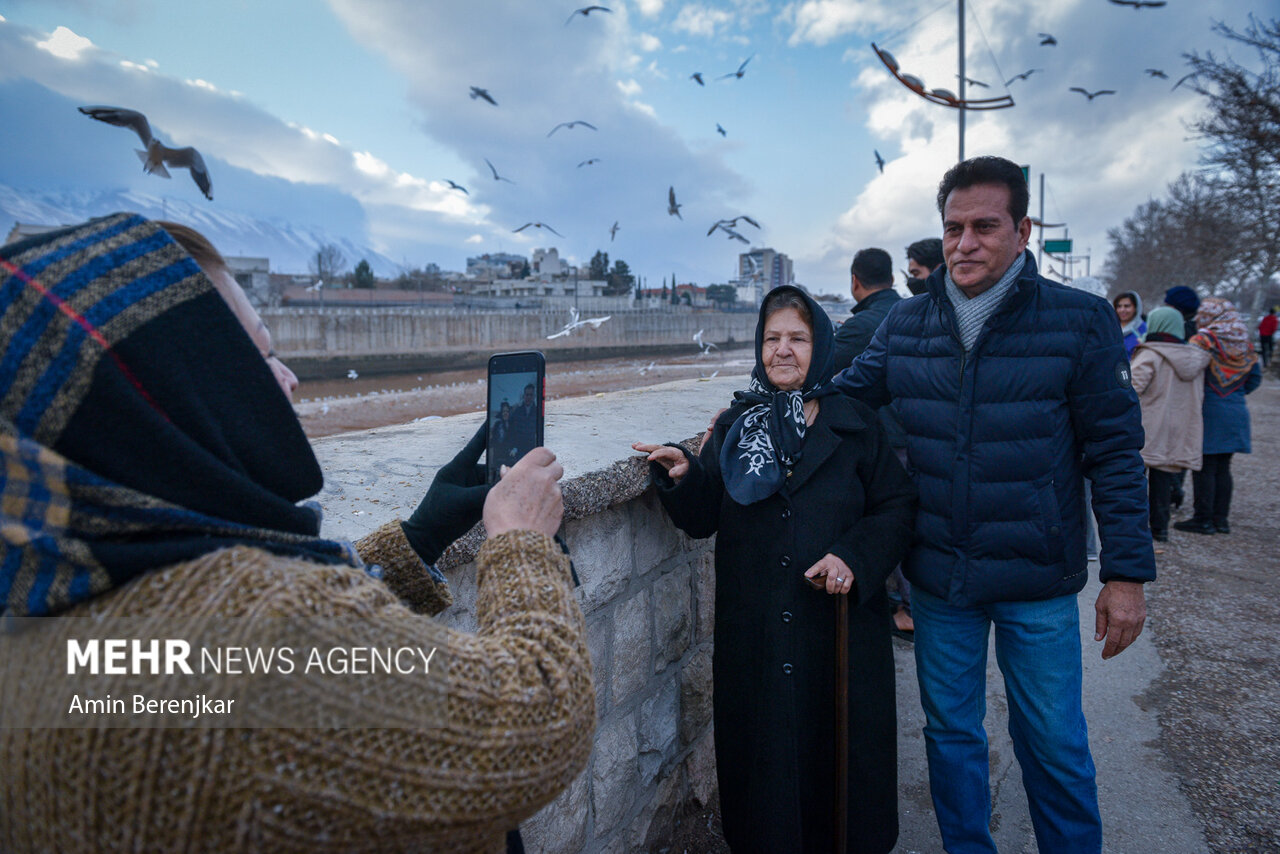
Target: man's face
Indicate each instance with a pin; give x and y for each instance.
(980, 241)
(528, 397)
(916, 270)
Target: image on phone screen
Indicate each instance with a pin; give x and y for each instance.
(513, 408)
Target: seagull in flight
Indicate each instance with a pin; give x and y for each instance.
(496, 176)
(477, 92)
(705, 346)
(973, 82)
(589, 162)
(742, 69)
(1047, 40)
(537, 225)
(1023, 76)
(454, 185)
(733, 235)
(879, 160)
(585, 11)
(571, 125)
(157, 155)
(1156, 72)
(673, 209)
(613, 231)
(317, 286)
(730, 223)
(575, 323)
(721, 130)
(1138, 4)
(1092, 95)
(697, 75)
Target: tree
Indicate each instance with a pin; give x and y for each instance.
(722, 295)
(328, 262)
(1189, 238)
(598, 270)
(362, 276)
(1241, 133)
(619, 280)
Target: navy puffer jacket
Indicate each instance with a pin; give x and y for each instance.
(1000, 440)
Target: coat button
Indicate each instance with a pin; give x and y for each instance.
(786, 668)
(786, 616)
(1055, 531)
(786, 512)
(785, 561)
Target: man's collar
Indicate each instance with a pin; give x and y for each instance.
(872, 297)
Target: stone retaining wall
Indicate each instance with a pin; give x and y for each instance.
(647, 593)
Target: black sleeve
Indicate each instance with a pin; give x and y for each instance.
(878, 542)
(694, 503)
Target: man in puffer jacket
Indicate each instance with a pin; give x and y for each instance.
(1011, 390)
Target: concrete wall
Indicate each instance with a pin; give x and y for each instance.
(300, 332)
(647, 594)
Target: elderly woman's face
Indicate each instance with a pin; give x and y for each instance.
(787, 349)
(244, 311)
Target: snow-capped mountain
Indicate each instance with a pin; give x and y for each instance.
(290, 248)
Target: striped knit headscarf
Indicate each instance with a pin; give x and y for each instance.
(1225, 336)
(139, 425)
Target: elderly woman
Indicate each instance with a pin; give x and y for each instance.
(1168, 377)
(153, 477)
(1233, 372)
(801, 489)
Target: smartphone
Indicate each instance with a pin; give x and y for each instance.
(517, 390)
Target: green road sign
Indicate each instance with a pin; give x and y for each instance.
(1058, 247)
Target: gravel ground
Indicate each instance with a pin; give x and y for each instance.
(1215, 617)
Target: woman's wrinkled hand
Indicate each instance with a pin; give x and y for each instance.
(671, 459)
(830, 574)
(528, 497)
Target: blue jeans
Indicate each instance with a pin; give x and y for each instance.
(1038, 650)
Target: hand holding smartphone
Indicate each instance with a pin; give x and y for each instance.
(517, 390)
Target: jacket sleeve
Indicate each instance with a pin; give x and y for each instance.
(694, 503)
(878, 541)
(403, 571)
(867, 378)
(1144, 369)
(852, 337)
(1254, 379)
(1107, 422)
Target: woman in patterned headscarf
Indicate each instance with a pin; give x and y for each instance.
(153, 479)
(1233, 372)
(798, 485)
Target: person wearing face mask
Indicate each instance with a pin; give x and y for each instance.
(154, 475)
(923, 257)
(801, 488)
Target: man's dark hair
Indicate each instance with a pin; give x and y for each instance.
(927, 253)
(873, 267)
(988, 170)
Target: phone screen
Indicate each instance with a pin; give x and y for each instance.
(515, 408)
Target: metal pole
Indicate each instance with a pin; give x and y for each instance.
(962, 109)
(1040, 249)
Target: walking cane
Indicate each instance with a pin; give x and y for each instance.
(842, 723)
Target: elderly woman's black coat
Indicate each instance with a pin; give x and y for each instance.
(774, 657)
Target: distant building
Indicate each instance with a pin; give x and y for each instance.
(254, 276)
(547, 264)
(496, 265)
(760, 271)
(23, 230)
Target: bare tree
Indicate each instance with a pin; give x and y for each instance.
(328, 262)
(1241, 133)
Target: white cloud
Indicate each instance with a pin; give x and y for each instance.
(136, 66)
(65, 44)
(822, 21)
(649, 8)
(698, 20)
(649, 43)
(629, 88)
(202, 84)
(475, 239)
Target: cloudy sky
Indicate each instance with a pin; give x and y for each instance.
(367, 101)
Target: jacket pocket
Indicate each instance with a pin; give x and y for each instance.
(1051, 519)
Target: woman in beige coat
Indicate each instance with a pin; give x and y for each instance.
(1168, 376)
